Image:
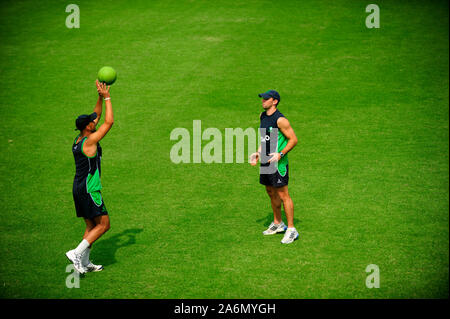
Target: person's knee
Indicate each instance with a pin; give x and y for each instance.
(275, 199)
(272, 193)
(284, 196)
(105, 225)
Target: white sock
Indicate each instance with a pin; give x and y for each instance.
(85, 257)
(82, 247)
(291, 228)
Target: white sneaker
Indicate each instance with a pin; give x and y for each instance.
(275, 228)
(76, 260)
(88, 264)
(90, 267)
(290, 235)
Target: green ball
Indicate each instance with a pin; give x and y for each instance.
(107, 75)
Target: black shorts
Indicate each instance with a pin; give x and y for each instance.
(275, 179)
(89, 205)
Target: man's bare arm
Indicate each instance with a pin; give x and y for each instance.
(90, 146)
(99, 106)
(285, 128)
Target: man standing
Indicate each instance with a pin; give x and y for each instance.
(276, 183)
(86, 185)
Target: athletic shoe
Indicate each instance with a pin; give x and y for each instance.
(76, 260)
(275, 228)
(290, 235)
(90, 267)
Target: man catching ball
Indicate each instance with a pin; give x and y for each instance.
(88, 199)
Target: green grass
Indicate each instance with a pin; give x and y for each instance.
(369, 177)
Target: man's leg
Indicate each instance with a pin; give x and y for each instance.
(291, 233)
(276, 204)
(90, 224)
(85, 259)
(288, 205)
(101, 226)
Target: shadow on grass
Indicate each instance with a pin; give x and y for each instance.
(269, 218)
(105, 250)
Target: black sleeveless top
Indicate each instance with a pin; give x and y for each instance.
(268, 123)
(88, 169)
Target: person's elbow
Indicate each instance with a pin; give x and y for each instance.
(294, 141)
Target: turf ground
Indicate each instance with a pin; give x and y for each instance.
(369, 177)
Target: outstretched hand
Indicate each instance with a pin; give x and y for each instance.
(102, 89)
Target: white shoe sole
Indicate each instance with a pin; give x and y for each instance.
(276, 231)
(95, 269)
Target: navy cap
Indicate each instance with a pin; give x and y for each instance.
(270, 94)
(83, 120)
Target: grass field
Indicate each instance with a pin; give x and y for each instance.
(369, 177)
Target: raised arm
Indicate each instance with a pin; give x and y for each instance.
(94, 138)
(99, 106)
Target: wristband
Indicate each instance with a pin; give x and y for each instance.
(107, 98)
